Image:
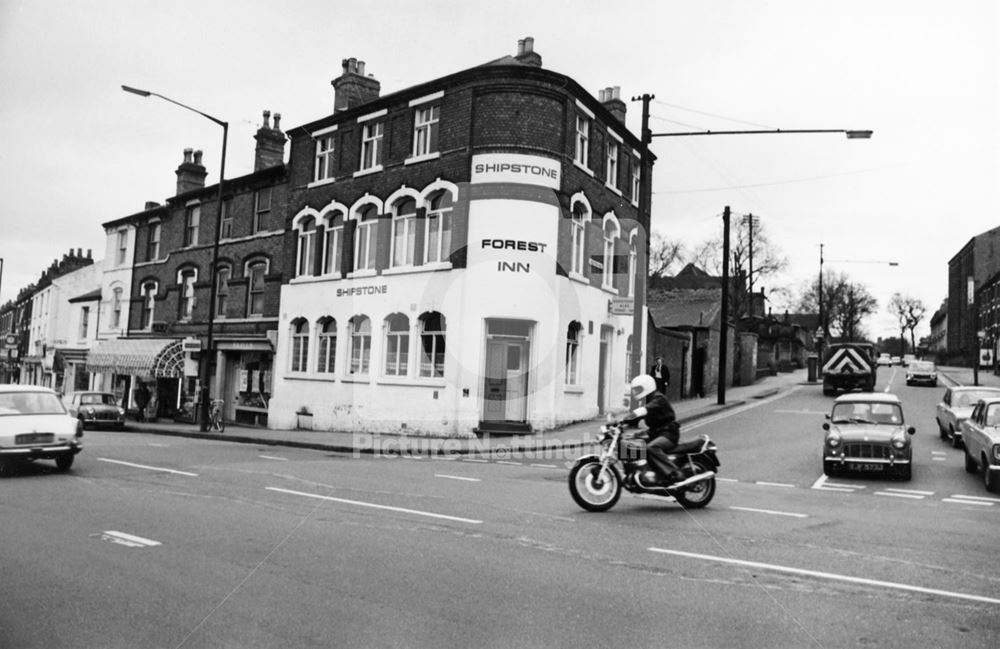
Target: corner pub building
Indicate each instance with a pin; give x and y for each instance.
(458, 247)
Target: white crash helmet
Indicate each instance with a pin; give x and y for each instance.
(643, 385)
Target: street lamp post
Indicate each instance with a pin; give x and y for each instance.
(206, 355)
(645, 220)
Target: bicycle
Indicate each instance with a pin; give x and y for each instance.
(215, 421)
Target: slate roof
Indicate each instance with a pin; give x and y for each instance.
(685, 308)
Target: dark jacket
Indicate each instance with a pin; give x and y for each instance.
(659, 416)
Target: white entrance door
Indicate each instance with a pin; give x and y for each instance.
(506, 384)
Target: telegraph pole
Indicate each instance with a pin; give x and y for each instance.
(724, 320)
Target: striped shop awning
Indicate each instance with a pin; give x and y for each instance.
(142, 356)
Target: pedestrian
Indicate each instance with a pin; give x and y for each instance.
(141, 401)
(661, 374)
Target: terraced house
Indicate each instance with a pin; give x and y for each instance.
(456, 246)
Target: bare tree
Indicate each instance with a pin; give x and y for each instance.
(845, 304)
(665, 255)
(909, 312)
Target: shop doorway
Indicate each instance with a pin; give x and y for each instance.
(506, 375)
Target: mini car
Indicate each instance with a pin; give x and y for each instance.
(96, 409)
(866, 434)
(921, 372)
(34, 425)
(981, 433)
(955, 407)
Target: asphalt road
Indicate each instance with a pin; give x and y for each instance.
(173, 542)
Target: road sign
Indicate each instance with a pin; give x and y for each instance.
(621, 306)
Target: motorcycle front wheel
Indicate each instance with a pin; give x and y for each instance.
(593, 491)
(700, 493)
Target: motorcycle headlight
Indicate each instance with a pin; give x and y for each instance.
(833, 440)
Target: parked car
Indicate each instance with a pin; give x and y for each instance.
(866, 434)
(95, 409)
(908, 359)
(955, 407)
(34, 425)
(884, 359)
(981, 434)
(922, 372)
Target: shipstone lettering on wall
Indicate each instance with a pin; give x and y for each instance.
(371, 289)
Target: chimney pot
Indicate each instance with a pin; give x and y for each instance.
(187, 154)
(277, 120)
(520, 46)
(267, 119)
(529, 44)
(197, 157)
(361, 68)
(89, 250)
(79, 252)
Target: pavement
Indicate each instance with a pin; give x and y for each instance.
(576, 435)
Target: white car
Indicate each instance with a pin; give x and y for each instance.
(955, 407)
(34, 425)
(884, 359)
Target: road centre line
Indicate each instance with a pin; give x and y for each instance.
(770, 511)
(962, 501)
(510, 463)
(828, 575)
(456, 477)
(896, 495)
(545, 466)
(359, 503)
(129, 540)
(147, 467)
(910, 491)
(775, 484)
(274, 457)
(986, 498)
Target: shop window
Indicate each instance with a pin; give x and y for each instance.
(437, 235)
(360, 344)
(307, 242)
(432, 341)
(222, 278)
(326, 345)
(573, 353)
(255, 271)
(397, 344)
(333, 243)
(404, 232)
(253, 389)
(628, 358)
(365, 238)
(300, 345)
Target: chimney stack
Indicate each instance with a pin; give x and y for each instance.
(611, 99)
(191, 173)
(526, 52)
(352, 88)
(270, 151)
(150, 205)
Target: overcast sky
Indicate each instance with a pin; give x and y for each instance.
(924, 75)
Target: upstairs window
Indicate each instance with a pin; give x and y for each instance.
(192, 220)
(371, 145)
(148, 304)
(636, 174)
(307, 246)
(404, 232)
(582, 155)
(437, 232)
(361, 344)
(364, 239)
(300, 345)
(262, 208)
(632, 261)
(255, 272)
(573, 353)
(610, 235)
(425, 130)
(326, 347)
(323, 166)
(611, 165)
(578, 226)
(186, 278)
(122, 248)
(222, 278)
(153, 243)
(84, 322)
(116, 309)
(332, 243)
(226, 228)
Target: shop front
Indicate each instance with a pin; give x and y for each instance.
(149, 376)
(245, 369)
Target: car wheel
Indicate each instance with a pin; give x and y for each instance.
(941, 431)
(64, 462)
(956, 441)
(970, 464)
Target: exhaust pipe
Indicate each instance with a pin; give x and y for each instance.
(690, 481)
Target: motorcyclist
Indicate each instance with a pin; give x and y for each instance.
(664, 431)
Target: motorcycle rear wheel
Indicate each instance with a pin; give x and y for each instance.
(590, 490)
(699, 494)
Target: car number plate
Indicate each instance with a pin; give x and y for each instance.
(33, 438)
(869, 468)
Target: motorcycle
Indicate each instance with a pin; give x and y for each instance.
(596, 480)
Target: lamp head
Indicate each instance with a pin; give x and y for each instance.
(859, 135)
(144, 93)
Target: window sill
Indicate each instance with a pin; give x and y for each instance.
(320, 183)
(408, 270)
(412, 383)
(577, 277)
(366, 172)
(610, 289)
(581, 167)
(573, 389)
(613, 188)
(422, 158)
(310, 377)
(356, 378)
(368, 272)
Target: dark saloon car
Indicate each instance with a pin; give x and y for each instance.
(96, 409)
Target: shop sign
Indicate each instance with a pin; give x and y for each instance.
(516, 168)
(191, 345)
(621, 306)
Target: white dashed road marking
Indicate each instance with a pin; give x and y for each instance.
(402, 510)
(456, 477)
(147, 467)
(770, 511)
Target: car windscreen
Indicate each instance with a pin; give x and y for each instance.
(30, 403)
(867, 413)
(95, 399)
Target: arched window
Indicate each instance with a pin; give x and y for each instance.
(333, 243)
(611, 231)
(307, 243)
(360, 344)
(404, 232)
(300, 345)
(579, 228)
(326, 345)
(255, 272)
(397, 344)
(149, 289)
(116, 308)
(186, 277)
(222, 277)
(437, 232)
(365, 238)
(432, 330)
(573, 353)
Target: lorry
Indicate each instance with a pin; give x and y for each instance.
(849, 366)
